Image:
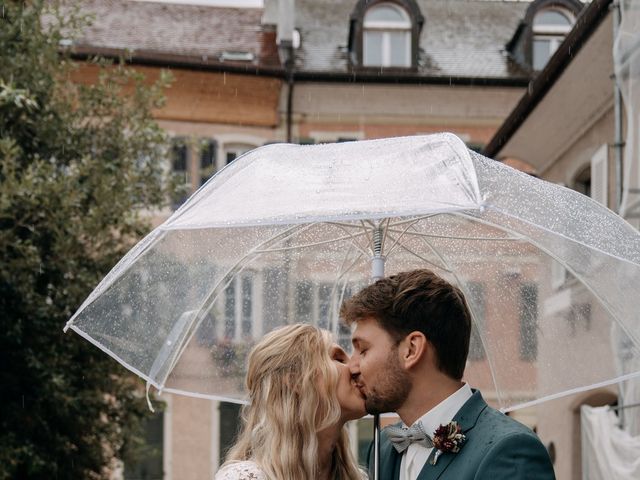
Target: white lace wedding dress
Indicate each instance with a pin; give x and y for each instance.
(246, 470)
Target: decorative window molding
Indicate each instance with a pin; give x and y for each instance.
(385, 34)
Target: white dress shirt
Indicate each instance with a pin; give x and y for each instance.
(415, 457)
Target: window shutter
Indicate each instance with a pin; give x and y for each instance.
(599, 175)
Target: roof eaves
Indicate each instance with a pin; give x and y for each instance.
(165, 60)
(407, 78)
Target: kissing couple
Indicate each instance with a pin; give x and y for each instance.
(410, 335)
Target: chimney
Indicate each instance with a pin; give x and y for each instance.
(278, 20)
(286, 17)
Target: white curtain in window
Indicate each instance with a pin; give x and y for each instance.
(608, 453)
(387, 37)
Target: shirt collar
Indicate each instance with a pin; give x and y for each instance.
(444, 412)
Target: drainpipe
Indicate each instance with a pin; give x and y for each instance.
(289, 69)
(618, 142)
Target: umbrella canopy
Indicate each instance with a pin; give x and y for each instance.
(286, 232)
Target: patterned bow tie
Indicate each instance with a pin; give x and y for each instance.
(401, 437)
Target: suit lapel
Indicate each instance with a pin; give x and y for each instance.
(467, 417)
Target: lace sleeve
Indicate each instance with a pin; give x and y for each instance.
(240, 471)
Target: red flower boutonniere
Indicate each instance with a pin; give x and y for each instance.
(447, 439)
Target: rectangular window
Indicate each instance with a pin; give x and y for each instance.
(529, 322)
(207, 160)
(477, 305)
(230, 311)
(274, 295)
(304, 302)
(324, 304)
(179, 155)
(230, 157)
(247, 305)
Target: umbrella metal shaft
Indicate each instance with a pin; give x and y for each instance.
(377, 272)
(376, 447)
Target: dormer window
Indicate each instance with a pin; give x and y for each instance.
(384, 34)
(550, 27)
(543, 28)
(386, 37)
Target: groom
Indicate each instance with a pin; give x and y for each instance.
(411, 338)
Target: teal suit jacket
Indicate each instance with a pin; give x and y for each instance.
(496, 447)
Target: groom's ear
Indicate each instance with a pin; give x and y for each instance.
(414, 349)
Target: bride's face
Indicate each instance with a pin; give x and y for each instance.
(350, 399)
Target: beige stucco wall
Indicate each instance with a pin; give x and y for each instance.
(558, 421)
(578, 154)
(376, 110)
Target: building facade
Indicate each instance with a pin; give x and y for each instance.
(316, 71)
(569, 129)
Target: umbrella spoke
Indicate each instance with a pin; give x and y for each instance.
(397, 240)
(456, 237)
(309, 245)
(219, 288)
(417, 255)
(413, 219)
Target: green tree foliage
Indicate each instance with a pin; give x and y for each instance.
(78, 164)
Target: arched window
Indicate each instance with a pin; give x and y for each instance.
(386, 38)
(550, 26)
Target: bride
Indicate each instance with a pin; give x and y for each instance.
(301, 395)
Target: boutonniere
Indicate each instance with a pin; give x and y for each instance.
(447, 439)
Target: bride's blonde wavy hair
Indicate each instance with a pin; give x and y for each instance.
(292, 383)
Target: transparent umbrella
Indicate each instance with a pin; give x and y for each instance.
(286, 232)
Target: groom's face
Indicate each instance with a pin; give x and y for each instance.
(375, 366)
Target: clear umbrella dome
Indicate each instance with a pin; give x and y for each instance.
(286, 232)
(285, 183)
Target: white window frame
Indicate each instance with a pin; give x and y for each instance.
(386, 28)
(256, 306)
(554, 33)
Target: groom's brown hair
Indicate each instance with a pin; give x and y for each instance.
(421, 301)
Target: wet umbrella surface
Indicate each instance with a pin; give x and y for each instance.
(286, 232)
